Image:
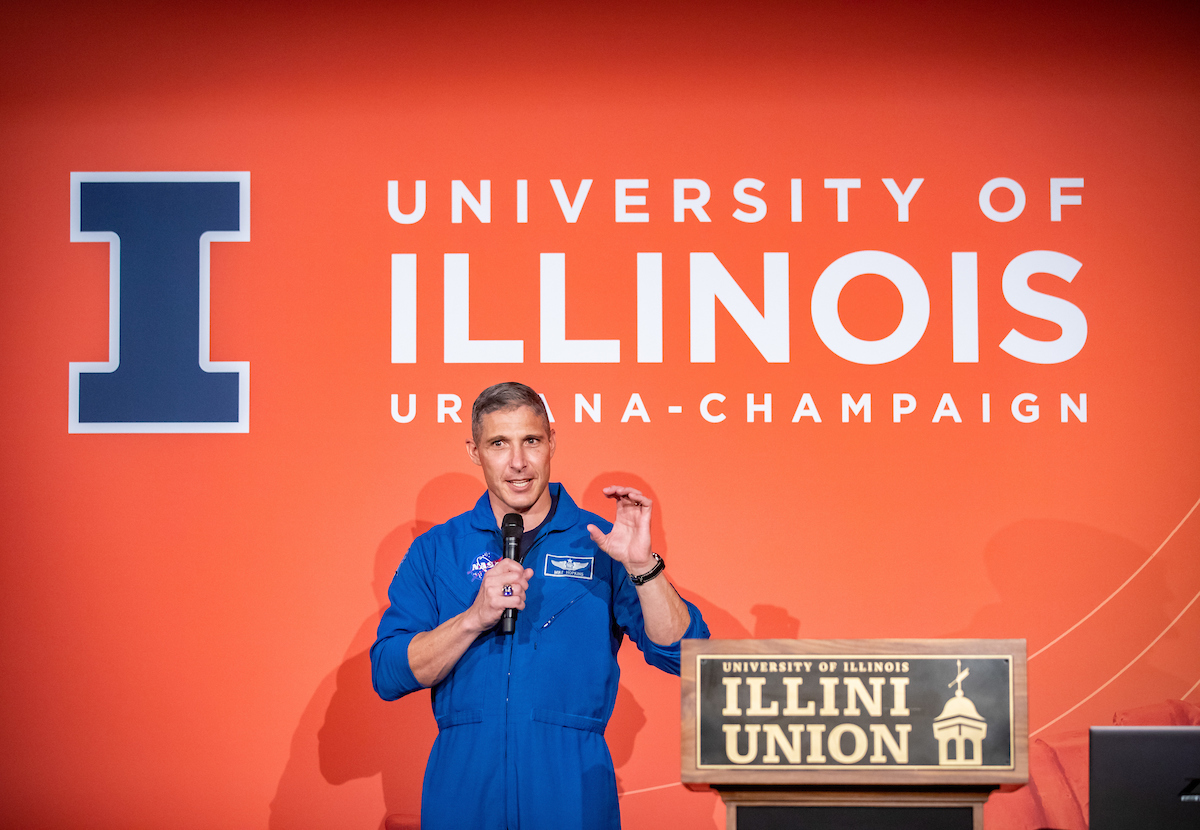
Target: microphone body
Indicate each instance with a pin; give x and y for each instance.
(511, 529)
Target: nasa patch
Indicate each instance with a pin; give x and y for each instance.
(575, 567)
(482, 564)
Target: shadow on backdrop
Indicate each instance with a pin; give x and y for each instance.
(657, 710)
(1049, 574)
(770, 621)
(347, 732)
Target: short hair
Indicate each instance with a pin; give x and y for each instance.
(507, 395)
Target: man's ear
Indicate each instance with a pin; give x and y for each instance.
(551, 442)
(473, 452)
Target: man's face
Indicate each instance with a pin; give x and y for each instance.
(515, 447)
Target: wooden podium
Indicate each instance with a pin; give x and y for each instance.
(847, 734)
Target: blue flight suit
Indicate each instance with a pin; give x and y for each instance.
(520, 718)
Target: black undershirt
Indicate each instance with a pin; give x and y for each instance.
(530, 536)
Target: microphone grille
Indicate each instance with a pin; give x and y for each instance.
(512, 525)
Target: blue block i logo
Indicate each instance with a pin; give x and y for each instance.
(158, 377)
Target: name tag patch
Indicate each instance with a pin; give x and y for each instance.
(575, 567)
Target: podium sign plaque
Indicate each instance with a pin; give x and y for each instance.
(898, 726)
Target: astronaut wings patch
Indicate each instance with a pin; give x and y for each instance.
(574, 567)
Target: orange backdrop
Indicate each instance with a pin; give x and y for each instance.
(186, 617)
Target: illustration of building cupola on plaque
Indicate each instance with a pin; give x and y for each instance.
(960, 729)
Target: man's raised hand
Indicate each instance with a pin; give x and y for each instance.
(629, 540)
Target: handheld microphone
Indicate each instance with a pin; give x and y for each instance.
(511, 528)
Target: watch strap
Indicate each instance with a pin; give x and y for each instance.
(659, 567)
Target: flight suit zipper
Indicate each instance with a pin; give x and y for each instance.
(511, 789)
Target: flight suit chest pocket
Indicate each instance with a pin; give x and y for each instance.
(573, 644)
(559, 597)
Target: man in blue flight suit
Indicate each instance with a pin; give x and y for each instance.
(521, 717)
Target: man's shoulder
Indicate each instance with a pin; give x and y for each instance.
(587, 517)
(464, 524)
(569, 514)
(455, 524)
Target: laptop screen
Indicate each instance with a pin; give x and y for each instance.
(1144, 776)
